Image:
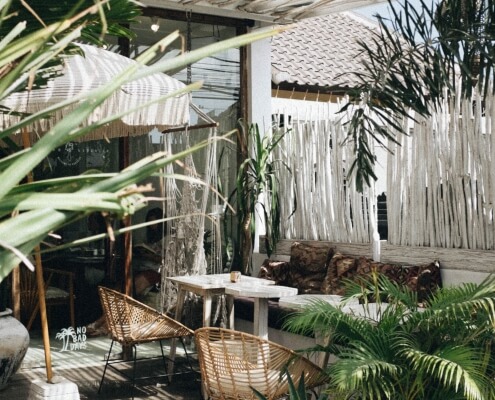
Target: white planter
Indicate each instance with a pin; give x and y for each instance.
(14, 342)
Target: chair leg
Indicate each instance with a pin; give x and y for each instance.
(34, 313)
(106, 366)
(201, 394)
(72, 314)
(134, 371)
(164, 362)
(187, 354)
(170, 367)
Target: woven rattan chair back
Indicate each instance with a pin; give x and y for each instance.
(232, 363)
(59, 290)
(131, 322)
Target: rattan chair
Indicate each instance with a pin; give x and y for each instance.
(232, 363)
(59, 290)
(131, 322)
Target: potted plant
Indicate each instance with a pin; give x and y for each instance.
(441, 349)
(257, 189)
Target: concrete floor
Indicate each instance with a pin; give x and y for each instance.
(84, 367)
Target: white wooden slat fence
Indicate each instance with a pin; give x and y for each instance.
(440, 180)
(328, 208)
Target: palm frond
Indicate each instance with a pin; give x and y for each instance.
(454, 367)
(411, 64)
(444, 349)
(363, 372)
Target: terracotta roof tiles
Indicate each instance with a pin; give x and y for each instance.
(320, 49)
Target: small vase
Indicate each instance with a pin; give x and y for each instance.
(14, 342)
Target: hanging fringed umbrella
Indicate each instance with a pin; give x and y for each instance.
(83, 73)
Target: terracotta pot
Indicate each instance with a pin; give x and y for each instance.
(14, 342)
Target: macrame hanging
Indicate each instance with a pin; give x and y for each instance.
(188, 203)
(193, 206)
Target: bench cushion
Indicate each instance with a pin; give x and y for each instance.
(423, 279)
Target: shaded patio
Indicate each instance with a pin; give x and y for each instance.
(84, 367)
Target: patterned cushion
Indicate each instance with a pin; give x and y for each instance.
(423, 279)
(308, 267)
(321, 270)
(275, 271)
(341, 267)
(307, 284)
(308, 259)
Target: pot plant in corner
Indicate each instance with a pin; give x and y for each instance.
(257, 188)
(397, 350)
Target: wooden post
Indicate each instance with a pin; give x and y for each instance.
(26, 141)
(16, 293)
(44, 321)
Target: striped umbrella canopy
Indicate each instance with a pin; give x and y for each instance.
(81, 74)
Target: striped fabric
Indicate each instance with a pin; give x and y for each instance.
(98, 67)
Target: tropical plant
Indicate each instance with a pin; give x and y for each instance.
(400, 351)
(88, 20)
(413, 62)
(295, 393)
(30, 211)
(257, 185)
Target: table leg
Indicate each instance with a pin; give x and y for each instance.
(207, 300)
(230, 310)
(261, 317)
(181, 296)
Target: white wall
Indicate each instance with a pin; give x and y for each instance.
(259, 98)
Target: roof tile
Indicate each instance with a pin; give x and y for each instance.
(319, 49)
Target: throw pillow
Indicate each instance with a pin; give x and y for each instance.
(308, 259)
(276, 271)
(341, 267)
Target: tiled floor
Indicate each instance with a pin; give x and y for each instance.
(84, 367)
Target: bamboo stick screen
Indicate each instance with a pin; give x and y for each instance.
(328, 208)
(440, 180)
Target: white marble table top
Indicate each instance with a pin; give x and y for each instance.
(218, 281)
(259, 291)
(370, 311)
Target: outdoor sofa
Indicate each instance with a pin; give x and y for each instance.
(319, 269)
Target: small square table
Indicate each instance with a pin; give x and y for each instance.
(261, 294)
(208, 286)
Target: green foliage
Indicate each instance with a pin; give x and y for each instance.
(414, 62)
(402, 352)
(295, 393)
(31, 211)
(104, 18)
(257, 177)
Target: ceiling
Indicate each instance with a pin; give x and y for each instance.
(279, 11)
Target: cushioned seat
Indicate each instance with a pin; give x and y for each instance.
(234, 363)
